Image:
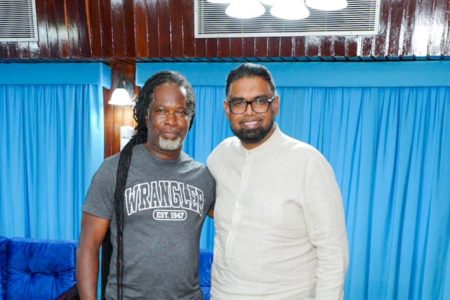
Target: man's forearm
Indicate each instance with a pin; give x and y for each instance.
(87, 273)
(332, 264)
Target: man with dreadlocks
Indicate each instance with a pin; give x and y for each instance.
(153, 199)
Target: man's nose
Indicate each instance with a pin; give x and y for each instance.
(171, 118)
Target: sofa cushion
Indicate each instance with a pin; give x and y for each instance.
(40, 269)
(3, 265)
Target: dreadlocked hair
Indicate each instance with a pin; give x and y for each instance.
(140, 112)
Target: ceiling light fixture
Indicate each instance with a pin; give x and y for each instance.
(290, 10)
(283, 9)
(245, 9)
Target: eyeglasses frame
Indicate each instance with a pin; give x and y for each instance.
(250, 102)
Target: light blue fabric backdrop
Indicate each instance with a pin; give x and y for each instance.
(52, 129)
(385, 128)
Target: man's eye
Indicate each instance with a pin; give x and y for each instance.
(182, 113)
(261, 100)
(160, 111)
(238, 103)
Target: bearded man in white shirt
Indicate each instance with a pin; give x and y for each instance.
(279, 218)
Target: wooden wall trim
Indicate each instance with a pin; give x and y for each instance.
(126, 30)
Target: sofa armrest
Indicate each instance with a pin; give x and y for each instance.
(40, 269)
(4, 247)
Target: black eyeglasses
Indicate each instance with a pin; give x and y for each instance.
(259, 105)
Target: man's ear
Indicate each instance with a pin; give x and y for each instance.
(226, 107)
(276, 105)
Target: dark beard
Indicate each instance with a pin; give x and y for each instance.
(252, 136)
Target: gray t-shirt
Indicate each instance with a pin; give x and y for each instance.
(165, 205)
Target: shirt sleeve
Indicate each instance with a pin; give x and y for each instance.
(211, 190)
(100, 196)
(325, 219)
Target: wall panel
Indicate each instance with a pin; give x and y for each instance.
(149, 29)
(121, 32)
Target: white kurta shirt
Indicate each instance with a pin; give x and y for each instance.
(279, 221)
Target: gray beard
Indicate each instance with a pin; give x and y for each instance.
(252, 136)
(170, 145)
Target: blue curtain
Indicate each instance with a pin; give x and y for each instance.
(52, 143)
(390, 148)
(385, 128)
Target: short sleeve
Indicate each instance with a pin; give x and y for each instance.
(100, 196)
(211, 190)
